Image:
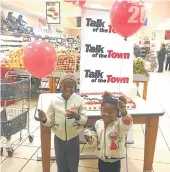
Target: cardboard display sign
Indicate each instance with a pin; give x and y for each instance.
(106, 58)
(53, 13)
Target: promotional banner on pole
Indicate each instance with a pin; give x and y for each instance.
(106, 58)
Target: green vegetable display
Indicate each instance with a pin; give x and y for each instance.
(138, 66)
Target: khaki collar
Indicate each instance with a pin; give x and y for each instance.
(70, 98)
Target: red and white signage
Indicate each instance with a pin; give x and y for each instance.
(106, 58)
(167, 35)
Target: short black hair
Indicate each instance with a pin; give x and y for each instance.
(108, 98)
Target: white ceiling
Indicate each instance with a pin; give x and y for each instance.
(158, 15)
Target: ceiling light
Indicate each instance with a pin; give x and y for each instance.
(95, 6)
(148, 5)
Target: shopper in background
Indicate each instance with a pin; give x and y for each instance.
(143, 52)
(137, 51)
(151, 58)
(108, 135)
(67, 117)
(161, 58)
(167, 67)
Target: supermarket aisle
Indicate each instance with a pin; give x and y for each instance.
(24, 159)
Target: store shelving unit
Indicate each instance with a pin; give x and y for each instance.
(10, 43)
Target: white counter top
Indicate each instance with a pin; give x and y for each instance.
(143, 108)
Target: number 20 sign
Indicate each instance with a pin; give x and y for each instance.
(138, 14)
(127, 16)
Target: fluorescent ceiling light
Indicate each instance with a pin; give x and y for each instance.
(95, 6)
(148, 5)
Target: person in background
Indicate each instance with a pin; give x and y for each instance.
(143, 52)
(167, 67)
(67, 117)
(137, 51)
(151, 58)
(161, 58)
(108, 135)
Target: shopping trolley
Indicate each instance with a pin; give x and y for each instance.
(14, 120)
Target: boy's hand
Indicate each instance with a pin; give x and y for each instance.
(42, 115)
(70, 114)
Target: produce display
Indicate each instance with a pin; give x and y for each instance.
(16, 60)
(65, 63)
(138, 66)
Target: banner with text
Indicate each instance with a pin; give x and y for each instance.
(106, 59)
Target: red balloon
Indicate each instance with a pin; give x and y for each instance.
(39, 58)
(127, 17)
(80, 3)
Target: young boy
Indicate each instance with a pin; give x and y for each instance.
(67, 117)
(108, 134)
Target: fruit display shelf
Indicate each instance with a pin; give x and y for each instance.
(67, 61)
(138, 66)
(16, 60)
(93, 100)
(139, 72)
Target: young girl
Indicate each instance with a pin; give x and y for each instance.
(67, 117)
(108, 135)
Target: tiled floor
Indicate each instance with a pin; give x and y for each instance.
(25, 156)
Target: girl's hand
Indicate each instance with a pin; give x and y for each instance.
(42, 115)
(122, 104)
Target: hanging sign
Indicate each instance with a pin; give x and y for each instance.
(106, 59)
(53, 13)
(167, 35)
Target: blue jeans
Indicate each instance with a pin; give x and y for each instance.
(161, 65)
(109, 167)
(67, 154)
